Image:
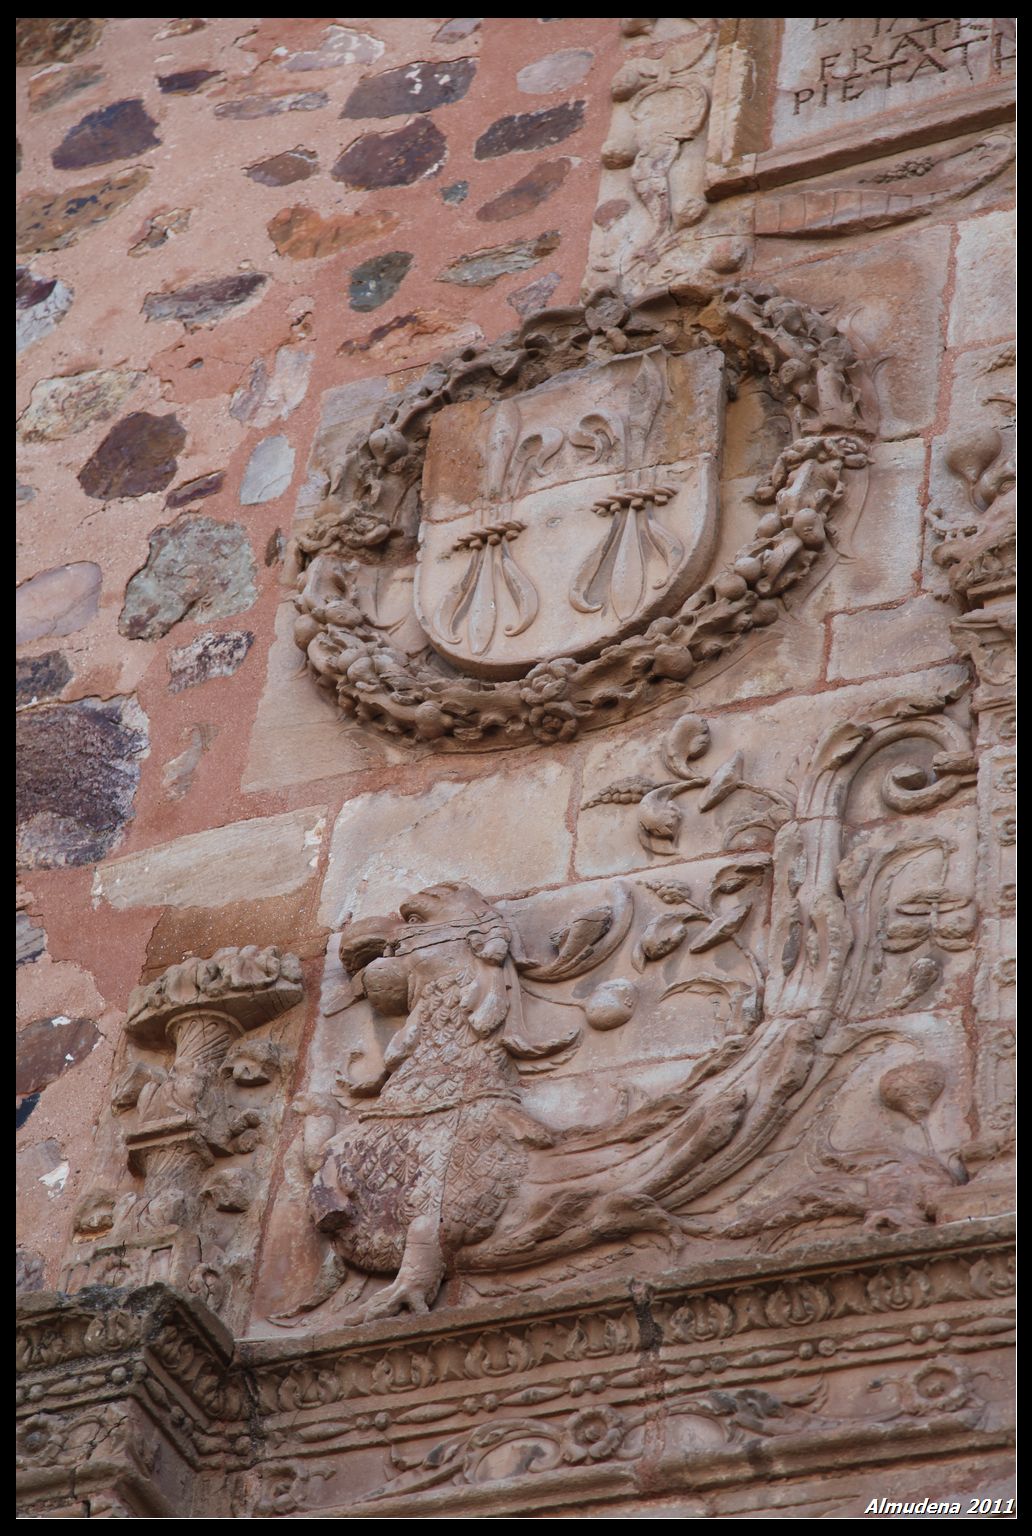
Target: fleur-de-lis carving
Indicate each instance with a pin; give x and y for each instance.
(492, 573)
(617, 572)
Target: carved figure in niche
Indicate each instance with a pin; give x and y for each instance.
(438, 1166)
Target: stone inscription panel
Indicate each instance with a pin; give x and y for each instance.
(839, 71)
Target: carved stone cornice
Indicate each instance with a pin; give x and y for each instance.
(136, 1403)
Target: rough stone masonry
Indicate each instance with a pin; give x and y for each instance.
(515, 768)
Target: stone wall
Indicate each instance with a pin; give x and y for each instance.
(515, 830)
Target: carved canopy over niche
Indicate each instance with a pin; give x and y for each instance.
(562, 489)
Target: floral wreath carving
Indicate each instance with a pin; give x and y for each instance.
(372, 508)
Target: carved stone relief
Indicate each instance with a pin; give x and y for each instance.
(609, 411)
(196, 1107)
(430, 1160)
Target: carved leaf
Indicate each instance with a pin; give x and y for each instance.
(686, 740)
(676, 893)
(647, 393)
(722, 928)
(923, 975)
(661, 937)
(627, 585)
(723, 783)
(747, 870)
(521, 589)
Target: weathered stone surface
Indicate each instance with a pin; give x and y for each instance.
(196, 490)
(58, 601)
(177, 776)
(117, 132)
(78, 769)
(267, 856)
(269, 471)
(272, 396)
(555, 72)
(985, 288)
(41, 677)
(304, 235)
(137, 456)
(393, 159)
(377, 280)
(403, 336)
(526, 194)
(47, 1048)
(61, 407)
(456, 193)
(282, 169)
(40, 303)
(525, 131)
(340, 46)
(246, 108)
(419, 87)
(30, 941)
(51, 40)
(50, 90)
(211, 655)
(535, 296)
(875, 641)
(49, 221)
(206, 302)
(374, 856)
(30, 1271)
(480, 268)
(197, 569)
(186, 81)
(160, 229)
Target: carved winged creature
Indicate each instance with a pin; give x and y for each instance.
(441, 1169)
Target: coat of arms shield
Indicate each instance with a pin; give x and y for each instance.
(560, 519)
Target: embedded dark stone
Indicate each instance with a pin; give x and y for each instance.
(196, 568)
(527, 193)
(195, 490)
(530, 130)
(40, 677)
(412, 88)
(29, 1269)
(535, 296)
(480, 268)
(48, 1047)
(377, 280)
(24, 1110)
(40, 302)
(30, 290)
(77, 770)
(29, 941)
(249, 107)
(212, 655)
(137, 456)
(48, 221)
(456, 193)
(116, 132)
(457, 28)
(393, 159)
(186, 81)
(52, 39)
(281, 170)
(24, 492)
(47, 91)
(275, 547)
(202, 303)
